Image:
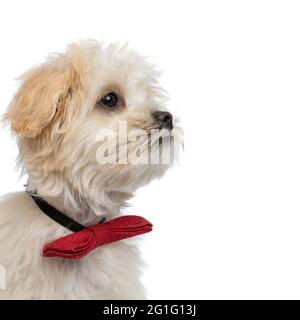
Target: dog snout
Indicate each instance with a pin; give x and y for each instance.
(163, 119)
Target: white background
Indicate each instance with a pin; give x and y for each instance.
(227, 220)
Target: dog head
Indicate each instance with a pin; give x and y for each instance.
(93, 120)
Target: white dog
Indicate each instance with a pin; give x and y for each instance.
(59, 115)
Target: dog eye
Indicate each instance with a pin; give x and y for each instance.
(110, 100)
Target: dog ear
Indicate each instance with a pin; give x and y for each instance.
(43, 97)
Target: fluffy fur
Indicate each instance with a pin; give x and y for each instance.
(56, 120)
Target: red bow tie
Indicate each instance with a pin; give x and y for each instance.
(79, 244)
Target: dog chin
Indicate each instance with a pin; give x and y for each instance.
(141, 175)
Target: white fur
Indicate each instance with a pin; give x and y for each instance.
(55, 120)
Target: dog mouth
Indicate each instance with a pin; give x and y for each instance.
(162, 126)
(163, 140)
(168, 128)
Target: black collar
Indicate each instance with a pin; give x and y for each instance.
(56, 215)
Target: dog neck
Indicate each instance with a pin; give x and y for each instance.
(81, 209)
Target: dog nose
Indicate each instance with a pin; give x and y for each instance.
(164, 119)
